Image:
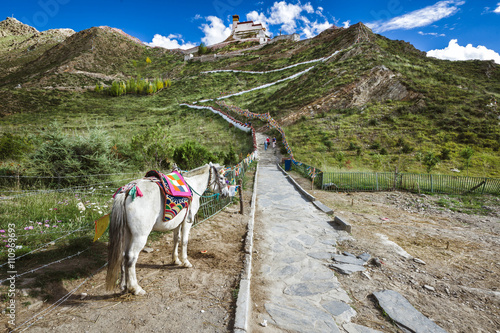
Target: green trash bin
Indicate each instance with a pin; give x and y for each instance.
(288, 164)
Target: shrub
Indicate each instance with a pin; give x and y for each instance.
(14, 146)
(407, 149)
(192, 154)
(445, 154)
(430, 161)
(155, 147)
(60, 155)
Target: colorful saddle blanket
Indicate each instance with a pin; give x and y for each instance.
(175, 190)
(173, 183)
(173, 206)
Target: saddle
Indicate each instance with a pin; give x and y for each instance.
(175, 190)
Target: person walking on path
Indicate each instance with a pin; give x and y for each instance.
(268, 141)
(265, 144)
(274, 142)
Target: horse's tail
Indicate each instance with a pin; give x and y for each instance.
(116, 245)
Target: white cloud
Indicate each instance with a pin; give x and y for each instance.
(497, 10)
(435, 34)
(292, 18)
(347, 24)
(197, 17)
(285, 14)
(312, 29)
(170, 42)
(419, 18)
(456, 52)
(215, 31)
(257, 18)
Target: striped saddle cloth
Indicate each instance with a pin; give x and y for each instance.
(175, 190)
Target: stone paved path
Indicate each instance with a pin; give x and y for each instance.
(297, 289)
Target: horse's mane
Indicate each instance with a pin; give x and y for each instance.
(197, 171)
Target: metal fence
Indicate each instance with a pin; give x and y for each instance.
(426, 183)
(211, 205)
(391, 181)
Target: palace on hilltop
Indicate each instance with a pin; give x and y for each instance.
(247, 30)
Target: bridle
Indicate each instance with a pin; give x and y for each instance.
(213, 170)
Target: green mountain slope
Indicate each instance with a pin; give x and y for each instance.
(370, 104)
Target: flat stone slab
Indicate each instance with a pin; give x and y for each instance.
(340, 310)
(310, 288)
(347, 269)
(404, 314)
(348, 260)
(320, 255)
(354, 328)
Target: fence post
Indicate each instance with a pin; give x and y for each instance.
(484, 185)
(432, 185)
(240, 183)
(376, 179)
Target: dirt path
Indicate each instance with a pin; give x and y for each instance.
(458, 286)
(199, 299)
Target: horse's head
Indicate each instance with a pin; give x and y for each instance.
(217, 182)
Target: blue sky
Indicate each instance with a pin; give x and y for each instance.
(450, 29)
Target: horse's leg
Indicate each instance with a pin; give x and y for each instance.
(186, 227)
(137, 243)
(175, 251)
(123, 277)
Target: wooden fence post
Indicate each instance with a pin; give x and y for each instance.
(240, 185)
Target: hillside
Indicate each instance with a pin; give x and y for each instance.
(359, 101)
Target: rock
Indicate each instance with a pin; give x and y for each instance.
(404, 314)
(310, 288)
(348, 254)
(365, 256)
(367, 275)
(264, 323)
(147, 250)
(376, 262)
(347, 269)
(354, 328)
(419, 261)
(430, 288)
(83, 295)
(320, 255)
(340, 310)
(348, 260)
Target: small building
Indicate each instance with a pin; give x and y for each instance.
(247, 30)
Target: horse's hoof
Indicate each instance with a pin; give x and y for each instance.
(139, 292)
(187, 264)
(177, 262)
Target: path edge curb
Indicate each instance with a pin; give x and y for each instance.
(243, 300)
(318, 204)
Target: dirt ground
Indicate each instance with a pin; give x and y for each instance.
(198, 299)
(460, 252)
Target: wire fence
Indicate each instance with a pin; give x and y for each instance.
(392, 181)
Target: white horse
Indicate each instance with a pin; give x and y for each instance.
(132, 220)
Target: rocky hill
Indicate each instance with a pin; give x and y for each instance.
(12, 27)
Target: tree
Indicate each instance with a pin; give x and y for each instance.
(430, 160)
(467, 154)
(155, 146)
(202, 49)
